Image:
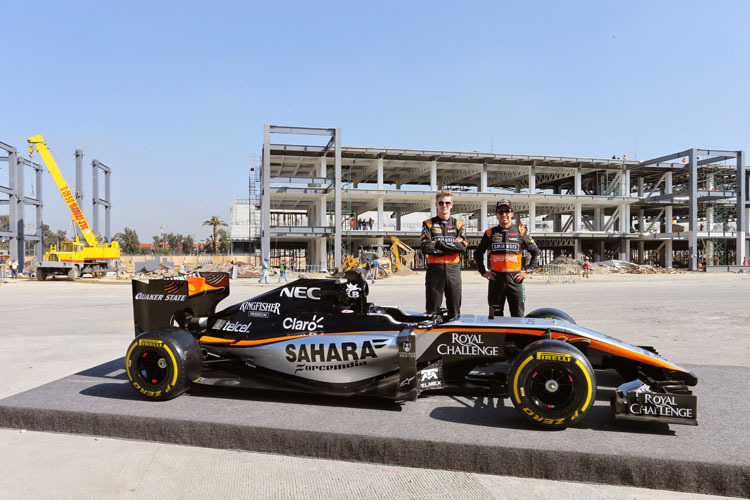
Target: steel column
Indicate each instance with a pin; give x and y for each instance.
(380, 172)
(693, 209)
(742, 227)
(265, 197)
(532, 179)
(337, 200)
(21, 214)
(39, 211)
(13, 204)
(95, 197)
(668, 221)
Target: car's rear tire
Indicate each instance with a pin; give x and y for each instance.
(552, 384)
(162, 364)
(550, 313)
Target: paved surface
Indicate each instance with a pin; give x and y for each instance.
(46, 335)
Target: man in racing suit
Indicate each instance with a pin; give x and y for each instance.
(506, 243)
(442, 242)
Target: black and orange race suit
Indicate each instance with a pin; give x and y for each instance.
(443, 256)
(506, 248)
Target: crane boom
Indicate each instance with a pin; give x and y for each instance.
(38, 142)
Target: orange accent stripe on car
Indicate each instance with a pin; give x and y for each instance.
(636, 356)
(527, 331)
(237, 342)
(608, 348)
(216, 340)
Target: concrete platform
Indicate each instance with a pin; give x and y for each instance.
(483, 435)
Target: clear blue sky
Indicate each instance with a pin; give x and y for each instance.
(173, 95)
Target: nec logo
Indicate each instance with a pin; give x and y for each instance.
(301, 292)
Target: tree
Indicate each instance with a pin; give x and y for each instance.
(174, 241)
(50, 238)
(224, 242)
(187, 244)
(215, 222)
(158, 242)
(128, 241)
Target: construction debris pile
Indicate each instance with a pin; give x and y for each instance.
(622, 267)
(571, 265)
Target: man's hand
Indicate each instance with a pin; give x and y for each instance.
(458, 240)
(518, 278)
(489, 276)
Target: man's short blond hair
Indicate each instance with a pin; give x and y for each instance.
(443, 194)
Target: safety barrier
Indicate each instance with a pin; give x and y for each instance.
(561, 273)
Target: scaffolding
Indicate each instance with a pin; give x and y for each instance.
(718, 214)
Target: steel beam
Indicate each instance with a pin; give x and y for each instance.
(715, 159)
(666, 158)
(275, 129)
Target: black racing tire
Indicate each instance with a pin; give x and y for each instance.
(74, 273)
(162, 364)
(550, 313)
(552, 384)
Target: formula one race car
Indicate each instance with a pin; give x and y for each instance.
(322, 336)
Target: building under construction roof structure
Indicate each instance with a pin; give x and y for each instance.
(682, 209)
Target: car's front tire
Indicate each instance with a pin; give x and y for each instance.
(162, 364)
(550, 313)
(552, 384)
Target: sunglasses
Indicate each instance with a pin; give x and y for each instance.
(447, 203)
(504, 212)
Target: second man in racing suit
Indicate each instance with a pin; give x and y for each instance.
(506, 243)
(443, 240)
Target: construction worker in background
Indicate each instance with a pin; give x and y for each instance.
(506, 243)
(14, 269)
(368, 271)
(264, 270)
(282, 271)
(443, 240)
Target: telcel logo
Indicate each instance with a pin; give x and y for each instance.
(301, 292)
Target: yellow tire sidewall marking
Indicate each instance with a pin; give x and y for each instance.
(588, 384)
(517, 374)
(171, 356)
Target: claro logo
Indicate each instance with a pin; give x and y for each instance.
(301, 292)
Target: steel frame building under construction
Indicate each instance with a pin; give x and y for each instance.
(686, 208)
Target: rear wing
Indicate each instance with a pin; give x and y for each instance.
(165, 302)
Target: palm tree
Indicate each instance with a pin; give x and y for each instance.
(215, 222)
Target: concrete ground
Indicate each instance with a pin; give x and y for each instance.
(53, 329)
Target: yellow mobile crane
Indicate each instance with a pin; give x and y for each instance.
(73, 258)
